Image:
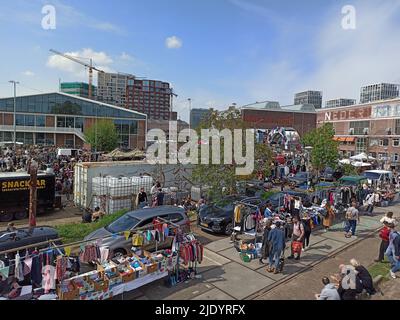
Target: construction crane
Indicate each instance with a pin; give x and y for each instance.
(89, 66)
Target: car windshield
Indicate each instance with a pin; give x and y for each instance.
(125, 223)
(372, 175)
(301, 175)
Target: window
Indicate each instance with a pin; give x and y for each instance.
(384, 142)
(20, 120)
(40, 138)
(69, 122)
(396, 157)
(361, 145)
(397, 126)
(396, 142)
(61, 122)
(40, 121)
(175, 217)
(29, 120)
(79, 123)
(359, 126)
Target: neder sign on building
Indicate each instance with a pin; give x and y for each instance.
(345, 114)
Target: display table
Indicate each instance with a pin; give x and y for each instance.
(137, 283)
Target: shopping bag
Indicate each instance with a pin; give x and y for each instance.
(297, 246)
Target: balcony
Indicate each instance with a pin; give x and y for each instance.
(76, 131)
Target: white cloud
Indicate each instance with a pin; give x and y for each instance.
(28, 73)
(101, 61)
(341, 60)
(173, 42)
(126, 57)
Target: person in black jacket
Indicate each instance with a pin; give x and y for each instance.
(265, 244)
(364, 277)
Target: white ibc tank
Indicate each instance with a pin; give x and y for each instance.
(120, 187)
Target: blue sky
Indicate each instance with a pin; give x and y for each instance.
(238, 51)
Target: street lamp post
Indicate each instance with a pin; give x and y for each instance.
(190, 110)
(15, 110)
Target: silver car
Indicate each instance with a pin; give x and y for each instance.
(138, 219)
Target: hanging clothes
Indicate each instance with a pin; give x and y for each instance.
(238, 214)
(104, 254)
(19, 269)
(61, 267)
(36, 270)
(27, 264)
(48, 281)
(4, 272)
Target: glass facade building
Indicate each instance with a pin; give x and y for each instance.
(60, 119)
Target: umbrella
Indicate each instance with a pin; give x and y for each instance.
(359, 157)
(362, 157)
(360, 164)
(345, 161)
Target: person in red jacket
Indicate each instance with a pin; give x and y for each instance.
(384, 235)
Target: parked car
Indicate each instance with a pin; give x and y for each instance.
(277, 199)
(137, 219)
(330, 174)
(299, 179)
(25, 237)
(217, 217)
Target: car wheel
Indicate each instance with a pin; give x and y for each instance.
(6, 217)
(229, 229)
(21, 215)
(119, 252)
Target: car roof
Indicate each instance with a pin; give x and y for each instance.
(377, 171)
(154, 212)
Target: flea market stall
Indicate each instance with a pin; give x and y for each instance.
(58, 272)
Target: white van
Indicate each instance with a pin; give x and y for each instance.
(378, 176)
(68, 152)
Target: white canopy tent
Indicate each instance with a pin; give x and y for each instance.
(345, 161)
(362, 157)
(360, 164)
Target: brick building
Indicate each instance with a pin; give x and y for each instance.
(373, 128)
(269, 115)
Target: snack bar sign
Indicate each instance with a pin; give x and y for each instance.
(18, 185)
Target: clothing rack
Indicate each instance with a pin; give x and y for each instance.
(80, 242)
(251, 206)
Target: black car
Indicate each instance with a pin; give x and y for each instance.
(26, 237)
(277, 199)
(330, 174)
(218, 217)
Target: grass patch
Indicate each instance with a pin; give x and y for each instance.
(72, 232)
(380, 269)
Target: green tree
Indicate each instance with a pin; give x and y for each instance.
(102, 136)
(217, 176)
(349, 170)
(324, 151)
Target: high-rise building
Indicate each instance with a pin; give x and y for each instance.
(342, 102)
(151, 97)
(197, 115)
(111, 88)
(309, 97)
(80, 89)
(379, 91)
